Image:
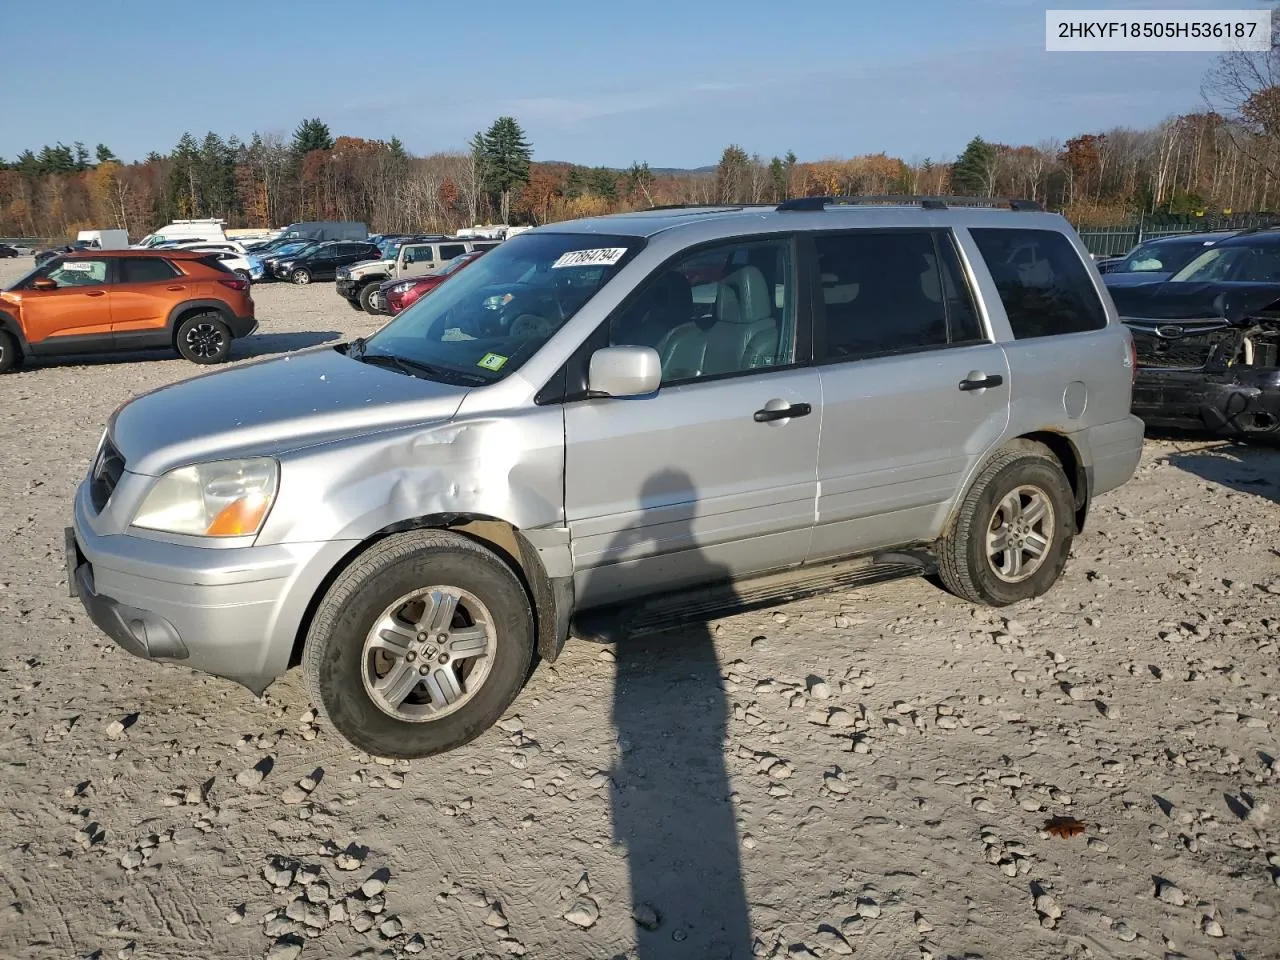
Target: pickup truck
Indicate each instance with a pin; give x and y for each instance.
(359, 282)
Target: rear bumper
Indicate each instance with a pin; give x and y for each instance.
(1238, 401)
(1115, 449)
(242, 326)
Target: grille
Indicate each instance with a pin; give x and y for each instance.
(107, 470)
(1191, 350)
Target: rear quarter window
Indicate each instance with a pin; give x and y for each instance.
(1044, 285)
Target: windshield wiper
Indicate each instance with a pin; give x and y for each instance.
(426, 371)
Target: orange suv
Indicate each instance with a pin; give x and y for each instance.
(104, 300)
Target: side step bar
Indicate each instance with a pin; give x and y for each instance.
(666, 612)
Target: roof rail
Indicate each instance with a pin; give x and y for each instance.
(928, 203)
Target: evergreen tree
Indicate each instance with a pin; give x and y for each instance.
(311, 135)
(397, 149)
(104, 155)
(505, 156)
(81, 160)
(969, 172)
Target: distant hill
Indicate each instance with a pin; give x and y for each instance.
(656, 171)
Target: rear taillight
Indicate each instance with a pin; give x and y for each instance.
(235, 283)
(1133, 357)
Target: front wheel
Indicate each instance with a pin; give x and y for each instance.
(300, 276)
(370, 298)
(420, 645)
(9, 353)
(204, 339)
(1012, 533)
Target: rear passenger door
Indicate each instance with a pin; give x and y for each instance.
(713, 476)
(147, 288)
(1069, 367)
(915, 390)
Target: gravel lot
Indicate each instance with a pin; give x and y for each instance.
(868, 772)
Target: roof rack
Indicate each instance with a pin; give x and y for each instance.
(928, 203)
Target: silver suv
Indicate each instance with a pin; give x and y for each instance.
(613, 426)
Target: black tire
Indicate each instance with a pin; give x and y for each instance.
(301, 276)
(367, 293)
(10, 354)
(964, 566)
(333, 657)
(204, 338)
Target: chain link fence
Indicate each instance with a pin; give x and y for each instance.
(1115, 240)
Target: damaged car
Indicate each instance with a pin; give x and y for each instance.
(1207, 355)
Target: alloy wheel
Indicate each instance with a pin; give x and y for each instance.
(428, 653)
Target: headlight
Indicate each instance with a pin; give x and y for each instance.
(226, 498)
(404, 287)
(284, 264)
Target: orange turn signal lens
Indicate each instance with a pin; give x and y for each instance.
(239, 519)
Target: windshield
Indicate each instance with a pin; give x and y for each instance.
(295, 247)
(1258, 263)
(388, 249)
(482, 326)
(1159, 258)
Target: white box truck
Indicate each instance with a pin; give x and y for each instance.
(103, 239)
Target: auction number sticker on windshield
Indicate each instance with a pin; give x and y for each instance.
(598, 257)
(78, 266)
(492, 361)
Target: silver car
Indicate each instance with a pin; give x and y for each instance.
(609, 427)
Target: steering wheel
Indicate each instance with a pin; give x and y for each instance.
(532, 325)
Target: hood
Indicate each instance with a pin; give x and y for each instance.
(1227, 300)
(1130, 279)
(272, 406)
(363, 264)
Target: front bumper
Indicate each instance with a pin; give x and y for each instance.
(347, 288)
(1234, 402)
(231, 612)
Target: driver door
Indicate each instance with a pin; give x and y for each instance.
(77, 312)
(708, 478)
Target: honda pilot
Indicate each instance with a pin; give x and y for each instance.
(607, 428)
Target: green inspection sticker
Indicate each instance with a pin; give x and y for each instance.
(492, 361)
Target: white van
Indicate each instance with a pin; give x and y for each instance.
(103, 239)
(210, 230)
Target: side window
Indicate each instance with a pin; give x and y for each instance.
(418, 254)
(716, 312)
(450, 250)
(79, 273)
(1044, 286)
(145, 270)
(886, 292)
(963, 322)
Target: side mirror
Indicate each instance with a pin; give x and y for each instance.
(44, 283)
(624, 372)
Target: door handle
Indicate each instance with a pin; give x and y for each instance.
(981, 384)
(783, 413)
(94, 293)
(176, 287)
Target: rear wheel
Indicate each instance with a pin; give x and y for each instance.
(420, 645)
(204, 339)
(10, 355)
(1012, 534)
(369, 298)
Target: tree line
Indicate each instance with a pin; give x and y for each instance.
(1225, 157)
